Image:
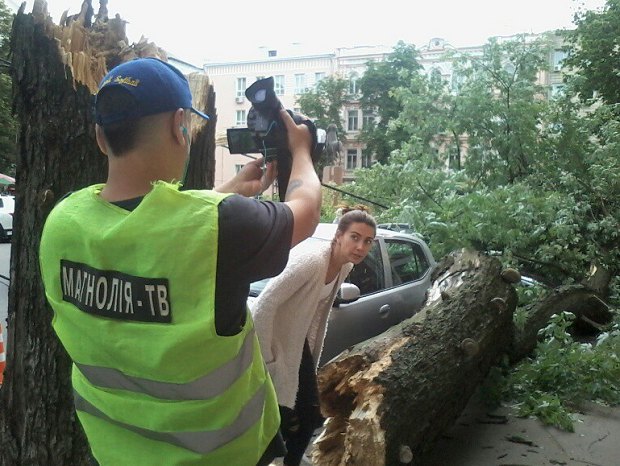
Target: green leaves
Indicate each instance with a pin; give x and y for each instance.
(595, 53)
(565, 373)
(380, 86)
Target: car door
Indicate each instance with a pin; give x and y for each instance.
(410, 265)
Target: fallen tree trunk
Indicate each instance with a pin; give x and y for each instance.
(387, 399)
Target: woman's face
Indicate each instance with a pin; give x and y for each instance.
(355, 242)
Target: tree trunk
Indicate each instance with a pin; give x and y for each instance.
(56, 156)
(201, 168)
(387, 399)
(55, 72)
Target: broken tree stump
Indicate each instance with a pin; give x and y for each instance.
(388, 398)
(55, 71)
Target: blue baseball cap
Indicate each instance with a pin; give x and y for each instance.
(155, 86)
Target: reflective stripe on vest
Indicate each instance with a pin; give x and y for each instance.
(208, 386)
(201, 442)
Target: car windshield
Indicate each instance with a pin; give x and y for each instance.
(257, 287)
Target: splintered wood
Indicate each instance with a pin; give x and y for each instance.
(89, 48)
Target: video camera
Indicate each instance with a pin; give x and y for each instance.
(266, 133)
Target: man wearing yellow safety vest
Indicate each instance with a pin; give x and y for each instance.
(149, 283)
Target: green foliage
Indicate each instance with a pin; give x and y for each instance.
(377, 87)
(541, 180)
(539, 231)
(527, 295)
(329, 205)
(6, 22)
(579, 160)
(595, 52)
(324, 103)
(565, 373)
(499, 108)
(8, 127)
(427, 125)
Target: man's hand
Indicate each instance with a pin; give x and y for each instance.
(299, 137)
(251, 180)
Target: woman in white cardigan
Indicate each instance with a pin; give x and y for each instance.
(290, 317)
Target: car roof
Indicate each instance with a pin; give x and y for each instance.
(327, 231)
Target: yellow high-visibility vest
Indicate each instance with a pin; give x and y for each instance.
(133, 298)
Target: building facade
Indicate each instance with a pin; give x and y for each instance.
(295, 72)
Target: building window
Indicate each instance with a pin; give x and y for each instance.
(353, 77)
(240, 118)
(353, 124)
(435, 75)
(238, 168)
(272, 53)
(300, 83)
(558, 58)
(557, 90)
(318, 77)
(241, 85)
(368, 117)
(279, 84)
(351, 159)
(366, 160)
(457, 80)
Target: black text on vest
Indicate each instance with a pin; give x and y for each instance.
(109, 293)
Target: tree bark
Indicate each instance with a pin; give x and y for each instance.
(387, 399)
(201, 168)
(55, 71)
(56, 156)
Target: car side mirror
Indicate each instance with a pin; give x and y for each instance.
(347, 294)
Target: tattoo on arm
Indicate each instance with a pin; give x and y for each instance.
(293, 185)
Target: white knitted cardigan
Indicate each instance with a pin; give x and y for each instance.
(288, 311)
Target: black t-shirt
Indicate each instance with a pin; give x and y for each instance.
(253, 243)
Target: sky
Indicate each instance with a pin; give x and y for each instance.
(200, 31)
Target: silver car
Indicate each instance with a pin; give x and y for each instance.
(388, 287)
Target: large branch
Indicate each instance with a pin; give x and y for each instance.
(589, 309)
(387, 399)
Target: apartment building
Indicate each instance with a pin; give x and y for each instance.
(294, 74)
(295, 71)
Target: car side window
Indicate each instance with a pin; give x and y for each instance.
(407, 261)
(368, 275)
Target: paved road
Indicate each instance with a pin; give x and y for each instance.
(5, 262)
